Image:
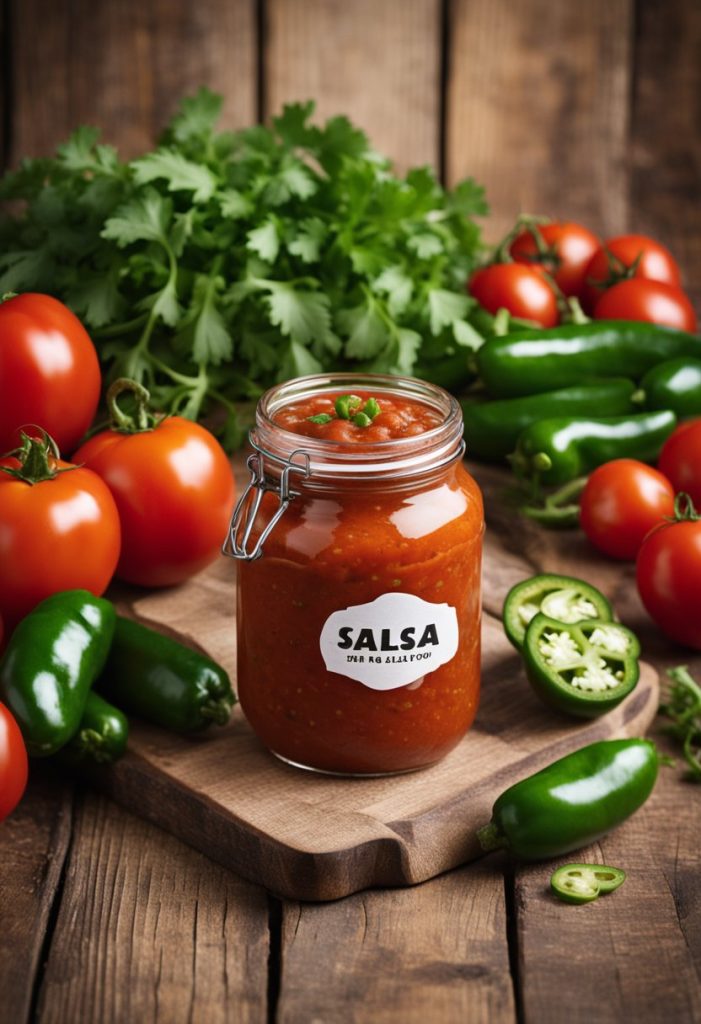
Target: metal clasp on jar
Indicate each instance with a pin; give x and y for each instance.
(237, 543)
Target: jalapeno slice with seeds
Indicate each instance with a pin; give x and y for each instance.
(564, 598)
(582, 883)
(583, 669)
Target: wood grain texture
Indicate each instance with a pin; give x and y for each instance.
(537, 107)
(150, 931)
(666, 142)
(632, 955)
(33, 845)
(436, 953)
(377, 61)
(124, 65)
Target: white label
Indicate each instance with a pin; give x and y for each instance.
(390, 642)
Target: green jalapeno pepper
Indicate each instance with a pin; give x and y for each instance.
(528, 362)
(675, 385)
(102, 734)
(573, 801)
(53, 657)
(564, 598)
(582, 883)
(153, 676)
(492, 428)
(561, 449)
(583, 668)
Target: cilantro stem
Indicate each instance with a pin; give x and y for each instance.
(117, 330)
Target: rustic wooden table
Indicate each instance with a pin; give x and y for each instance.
(588, 113)
(105, 918)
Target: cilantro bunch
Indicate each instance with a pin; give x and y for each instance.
(221, 263)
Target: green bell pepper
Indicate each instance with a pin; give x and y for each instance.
(53, 657)
(574, 801)
(582, 669)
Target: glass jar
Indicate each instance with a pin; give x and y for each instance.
(359, 587)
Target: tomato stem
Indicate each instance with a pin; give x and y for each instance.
(37, 458)
(121, 421)
(684, 509)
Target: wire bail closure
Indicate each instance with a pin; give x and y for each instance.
(247, 507)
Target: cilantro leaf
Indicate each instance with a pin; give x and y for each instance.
(366, 330)
(292, 125)
(144, 218)
(234, 204)
(446, 307)
(264, 241)
(180, 173)
(211, 340)
(425, 244)
(467, 199)
(394, 283)
(197, 116)
(303, 315)
(25, 271)
(298, 362)
(308, 241)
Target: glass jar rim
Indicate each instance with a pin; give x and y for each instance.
(398, 457)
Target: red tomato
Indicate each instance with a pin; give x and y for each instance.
(668, 572)
(13, 763)
(524, 291)
(653, 301)
(49, 373)
(174, 489)
(570, 248)
(611, 263)
(622, 501)
(57, 534)
(680, 459)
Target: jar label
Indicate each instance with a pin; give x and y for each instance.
(390, 642)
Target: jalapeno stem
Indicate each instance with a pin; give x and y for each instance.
(490, 838)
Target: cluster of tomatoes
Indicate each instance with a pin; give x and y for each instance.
(149, 505)
(630, 510)
(541, 265)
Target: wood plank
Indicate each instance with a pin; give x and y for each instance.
(377, 61)
(537, 107)
(635, 954)
(150, 931)
(436, 953)
(124, 65)
(665, 164)
(33, 845)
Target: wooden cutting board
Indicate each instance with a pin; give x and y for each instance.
(313, 837)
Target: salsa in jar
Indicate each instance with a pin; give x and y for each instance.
(359, 544)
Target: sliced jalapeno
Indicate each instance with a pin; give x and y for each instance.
(582, 883)
(564, 598)
(584, 668)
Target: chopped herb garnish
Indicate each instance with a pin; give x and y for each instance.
(372, 408)
(322, 417)
(346, 404)
(362, 420)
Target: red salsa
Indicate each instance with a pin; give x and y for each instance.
(359, 626)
